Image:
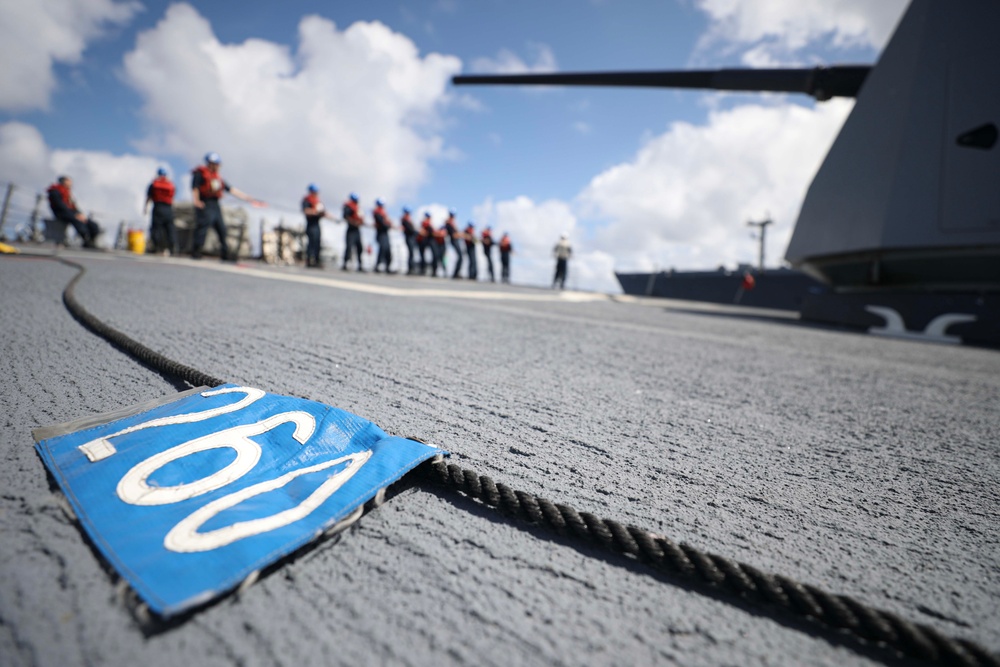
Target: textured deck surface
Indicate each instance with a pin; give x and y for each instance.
(862, 465)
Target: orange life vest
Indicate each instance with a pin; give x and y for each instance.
(407, 224)
(351, 213)
(64, 194)
(312, 201)
(381, 219)
(212, 186)
(161, 190)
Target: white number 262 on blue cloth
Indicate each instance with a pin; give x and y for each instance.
(188, 495)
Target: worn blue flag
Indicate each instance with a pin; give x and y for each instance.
(189, 495)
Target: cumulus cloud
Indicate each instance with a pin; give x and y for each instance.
(24, 156)
(36, 35)
(771, 33)
(351, 110)
(684, 200)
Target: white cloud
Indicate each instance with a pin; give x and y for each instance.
(351, 110)
(780, 32)
(36, 34)
(684, 200)
(508, 62)
(24, 157)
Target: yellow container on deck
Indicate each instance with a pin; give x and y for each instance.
(137, 241)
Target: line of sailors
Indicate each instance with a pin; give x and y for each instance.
(426, 245)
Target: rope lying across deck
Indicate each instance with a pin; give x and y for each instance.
(131, 347)
(837, 613)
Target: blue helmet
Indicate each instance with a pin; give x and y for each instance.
(451, 212)
(161, 172)
(312, 188)
(406, 210)
(378, 202)
(213, 158)
(354, 197)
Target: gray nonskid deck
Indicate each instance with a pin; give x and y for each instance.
(862, 465)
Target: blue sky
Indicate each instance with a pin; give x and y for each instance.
(355, 96)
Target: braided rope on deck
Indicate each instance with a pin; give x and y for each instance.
(129, 346)
(834, 612)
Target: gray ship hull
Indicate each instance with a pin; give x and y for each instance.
(779, 289)
(970, 316)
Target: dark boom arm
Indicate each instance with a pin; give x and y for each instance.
(820, 82)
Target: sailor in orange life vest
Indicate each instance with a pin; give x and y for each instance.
(451, 228)
(440, 249)
(469, 234)
(64, 209)
(505, 249)
(410, 235)
(352, 239)
(161, 227)
(207, 188)
(487, 240)
(314, 211)
(426, 242)
(382, 226)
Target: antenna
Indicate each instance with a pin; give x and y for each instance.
(763, 233)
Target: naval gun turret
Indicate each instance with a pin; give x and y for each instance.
(902, 220)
